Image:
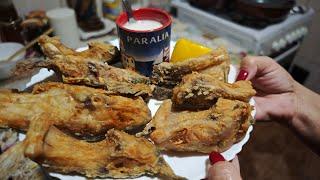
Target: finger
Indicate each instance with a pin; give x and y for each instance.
(223, 170)
(271, 106)
(256, 66)
(261, 113)
(235, 162)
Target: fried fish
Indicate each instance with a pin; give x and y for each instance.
(90, 68)
(215, 129)
(201, 91)
(101, 52)
(80, 110)
(169, 74)
(120, 155)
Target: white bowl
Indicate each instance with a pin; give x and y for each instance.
(6, 50)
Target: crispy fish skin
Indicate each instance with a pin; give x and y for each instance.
(14, 165)
(202, 91)
(120, 155)
(90, 68)
(169, 74)
(80, 110)
(215, 129)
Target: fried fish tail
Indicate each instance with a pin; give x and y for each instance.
(165, 172)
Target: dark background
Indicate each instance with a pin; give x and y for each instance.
(274, 152)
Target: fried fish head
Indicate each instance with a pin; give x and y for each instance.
(215, 129)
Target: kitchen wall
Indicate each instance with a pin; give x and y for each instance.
(309, 55)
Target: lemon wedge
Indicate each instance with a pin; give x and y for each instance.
(185, 49)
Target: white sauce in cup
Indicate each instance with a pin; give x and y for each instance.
(143, 25)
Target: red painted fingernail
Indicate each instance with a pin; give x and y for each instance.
(215, 157)
(242, 75)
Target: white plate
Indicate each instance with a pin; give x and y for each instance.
(189, 166)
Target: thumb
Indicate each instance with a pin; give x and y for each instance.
(255, 66)
(224, 170)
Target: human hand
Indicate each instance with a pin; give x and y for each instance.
(222, 169)
(276, 95)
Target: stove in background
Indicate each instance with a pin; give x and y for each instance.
(280, 41)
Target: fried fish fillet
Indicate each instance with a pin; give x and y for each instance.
(215, 129)
(169, 74)
(90, 68)
(80, 110)
(120, 155)
(14, 165)
(201, 91)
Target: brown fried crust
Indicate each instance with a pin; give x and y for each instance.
(169, 74)
(201, 91)
(120, 155)
(90, 68)
(80, 110)
(215, 129)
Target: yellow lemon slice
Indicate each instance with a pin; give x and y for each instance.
(185, 49)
